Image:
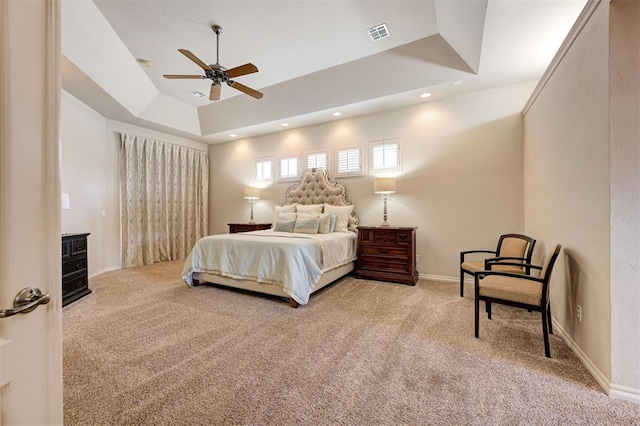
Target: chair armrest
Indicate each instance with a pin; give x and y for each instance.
(489, 263)
(484, 274)
(464, 253)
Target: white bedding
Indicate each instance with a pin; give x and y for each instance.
(294, 261)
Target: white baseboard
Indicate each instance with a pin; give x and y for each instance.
(624, 393)
(602, 380)
(103, 270)
(445, 278)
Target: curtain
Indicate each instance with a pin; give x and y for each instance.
(163, 193)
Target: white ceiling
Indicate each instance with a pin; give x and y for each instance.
(315, 57)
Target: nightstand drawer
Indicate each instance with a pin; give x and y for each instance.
(74, 264)
(385, 237)
(396, 251)
(247, 227)
(388, 264)
(74, 282)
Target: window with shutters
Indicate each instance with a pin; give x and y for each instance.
(264, 169)
(317, 159)
(288, 168)
(349, 161)
(384, 156)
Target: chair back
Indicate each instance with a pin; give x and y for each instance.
(516, 245)
(547, 269)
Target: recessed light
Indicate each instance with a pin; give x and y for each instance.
(198, 94)
(144, 62)
(285, 124)
(457, 83)
(233, 135)
(337, 114)
(425, 95)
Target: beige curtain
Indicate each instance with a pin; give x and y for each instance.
(163, 191)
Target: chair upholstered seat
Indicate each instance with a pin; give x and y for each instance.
(473, 266)
(513, 289)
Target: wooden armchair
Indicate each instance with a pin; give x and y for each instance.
(517, 249)
(519, 290)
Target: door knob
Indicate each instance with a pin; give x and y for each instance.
(26, 301)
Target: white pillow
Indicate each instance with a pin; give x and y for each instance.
(324, 223)
(309, 208)
(343, 213)
(291, 208)
(285, 222)
(307, 223)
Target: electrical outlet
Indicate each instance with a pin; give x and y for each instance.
(579, 313)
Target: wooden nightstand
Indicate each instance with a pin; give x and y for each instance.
(387, 254)
(75, 279)
(247, 227)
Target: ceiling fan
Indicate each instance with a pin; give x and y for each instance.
(219, 74)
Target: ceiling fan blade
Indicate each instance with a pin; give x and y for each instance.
(214, 95)
(195, 59)
(170, 76)
(248, 90)
(242, 70)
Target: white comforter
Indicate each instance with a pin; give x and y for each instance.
(294, 261)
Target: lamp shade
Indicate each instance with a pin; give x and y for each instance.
(65, 203)
(252, 193)
(384, 185)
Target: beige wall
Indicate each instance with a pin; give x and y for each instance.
(581, 190)
(90, 174)
(461, 184)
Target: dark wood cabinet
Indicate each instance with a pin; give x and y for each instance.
(387, 254)
(75, 277)
(247, 227)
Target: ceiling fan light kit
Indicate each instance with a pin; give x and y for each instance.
(217, 73)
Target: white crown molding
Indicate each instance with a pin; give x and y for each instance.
(582, 20)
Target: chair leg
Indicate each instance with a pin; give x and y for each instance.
(549, 319)
(545, 333)
(488, 308)
(477, 323)
(461, 283)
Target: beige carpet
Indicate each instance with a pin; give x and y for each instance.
(144, 348)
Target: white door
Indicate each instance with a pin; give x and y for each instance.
(30, 344)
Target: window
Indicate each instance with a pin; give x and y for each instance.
(349, 161)
(264, 168)
(288, 168)
(316, 159)
(384, 156)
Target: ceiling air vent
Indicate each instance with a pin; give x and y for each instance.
(378, 32)
(198, 94)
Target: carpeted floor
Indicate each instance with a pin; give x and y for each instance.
(144, 348)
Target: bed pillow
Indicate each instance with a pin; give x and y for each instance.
(332, 222)
(324, 223)
(285, 222)
(309, 208)
(307, 223)
(343, 213)
(291, 208)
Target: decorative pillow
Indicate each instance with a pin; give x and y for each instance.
(307, 223)
(291, 208)
(324, 223)
(332, 222)
(343, 213)
(309, 208)
(285, 222)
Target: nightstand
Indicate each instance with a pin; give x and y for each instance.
(247, 227)
(387, 254)
(75, 278)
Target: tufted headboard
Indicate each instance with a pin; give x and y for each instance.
(316, 188)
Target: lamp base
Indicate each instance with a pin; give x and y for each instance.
(252, 222)
(384, 224)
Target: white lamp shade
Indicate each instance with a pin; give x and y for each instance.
(252, 193)
(65, 202)
(384, 185)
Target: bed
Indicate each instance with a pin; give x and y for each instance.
(279, 262)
